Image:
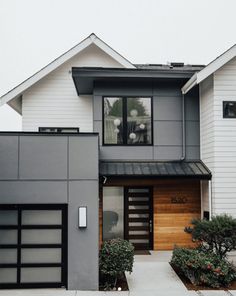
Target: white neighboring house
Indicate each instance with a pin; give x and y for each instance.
(218, 130)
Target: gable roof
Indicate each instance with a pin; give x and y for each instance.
(210, 69)
(16, 92)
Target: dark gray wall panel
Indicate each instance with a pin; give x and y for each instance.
(168, 133)
(97, 108)
(15, 192)
(167, 116)
(167, 152)
(191, 108)
(43, 157)
(192, 133)
(83, 157)
(97, 128)
(126, 152)
(8, 157)
(192, 152)
(167, 108)
(83, 243)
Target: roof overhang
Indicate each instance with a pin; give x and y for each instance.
(155, 169)
(210, 69)
(84, 77)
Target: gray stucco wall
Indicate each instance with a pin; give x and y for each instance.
(167, 120)
(62, 169)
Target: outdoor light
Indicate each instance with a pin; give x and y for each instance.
(82, 217)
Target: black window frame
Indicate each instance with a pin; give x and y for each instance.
(124, 115)
(59, 129)
(224, 114)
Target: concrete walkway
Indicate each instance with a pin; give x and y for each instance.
(152, 276)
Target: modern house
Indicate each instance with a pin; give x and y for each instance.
(111, 149)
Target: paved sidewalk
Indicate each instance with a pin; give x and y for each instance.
(152, 276)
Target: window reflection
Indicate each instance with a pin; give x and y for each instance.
(127, 121)
(113, 121)
(113, 213)
(138, 120)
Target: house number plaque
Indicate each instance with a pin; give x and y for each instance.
(178, 200)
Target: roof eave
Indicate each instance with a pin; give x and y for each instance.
(189, 84)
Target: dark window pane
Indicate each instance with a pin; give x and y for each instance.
(139, 121)
(229, 109)
(113, 121)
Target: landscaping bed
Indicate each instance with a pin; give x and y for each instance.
(121, 284)
(206, 267)
(192, 287)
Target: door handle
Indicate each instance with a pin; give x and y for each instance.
(150, 225)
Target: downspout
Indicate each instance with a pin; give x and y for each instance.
(183, 129)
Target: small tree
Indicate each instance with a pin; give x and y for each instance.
(217, 235)
(116, 256)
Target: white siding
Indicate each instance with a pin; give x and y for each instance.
(207, 134)
(53, 101)
(224, 189)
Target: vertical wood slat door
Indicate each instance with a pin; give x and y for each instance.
(139, 217)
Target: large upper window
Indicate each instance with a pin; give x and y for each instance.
(127, 121)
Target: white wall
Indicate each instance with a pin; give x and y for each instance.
(53, 101)
(224, 189)
(206, 135)
(218, 138)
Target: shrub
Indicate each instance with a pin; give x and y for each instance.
(217, 235)
(202, 268)
(116, 256)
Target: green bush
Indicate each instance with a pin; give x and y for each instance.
(203, 268)
(217, 235)
(116, 256)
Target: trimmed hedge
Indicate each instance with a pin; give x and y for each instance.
(202, 268)
(116, 256)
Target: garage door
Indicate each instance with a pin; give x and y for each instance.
(33, 243)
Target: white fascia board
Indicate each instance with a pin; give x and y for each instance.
(114, 54)
(189, 84)
(18, 90)
(216, 64)
(211, 68)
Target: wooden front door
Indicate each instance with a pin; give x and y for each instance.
(138, 208)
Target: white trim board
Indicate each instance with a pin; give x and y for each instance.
(210, 69)
(91, 39)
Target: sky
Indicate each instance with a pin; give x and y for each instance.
(34, 32)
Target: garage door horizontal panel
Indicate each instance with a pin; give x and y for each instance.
(42, 236)
(8, 256)
(8, 275)
(44, 255)
(8, 237)
(41, 275)
(8, 217)
(41, 217)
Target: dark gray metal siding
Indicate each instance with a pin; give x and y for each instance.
(51, 169)
(167, 124)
